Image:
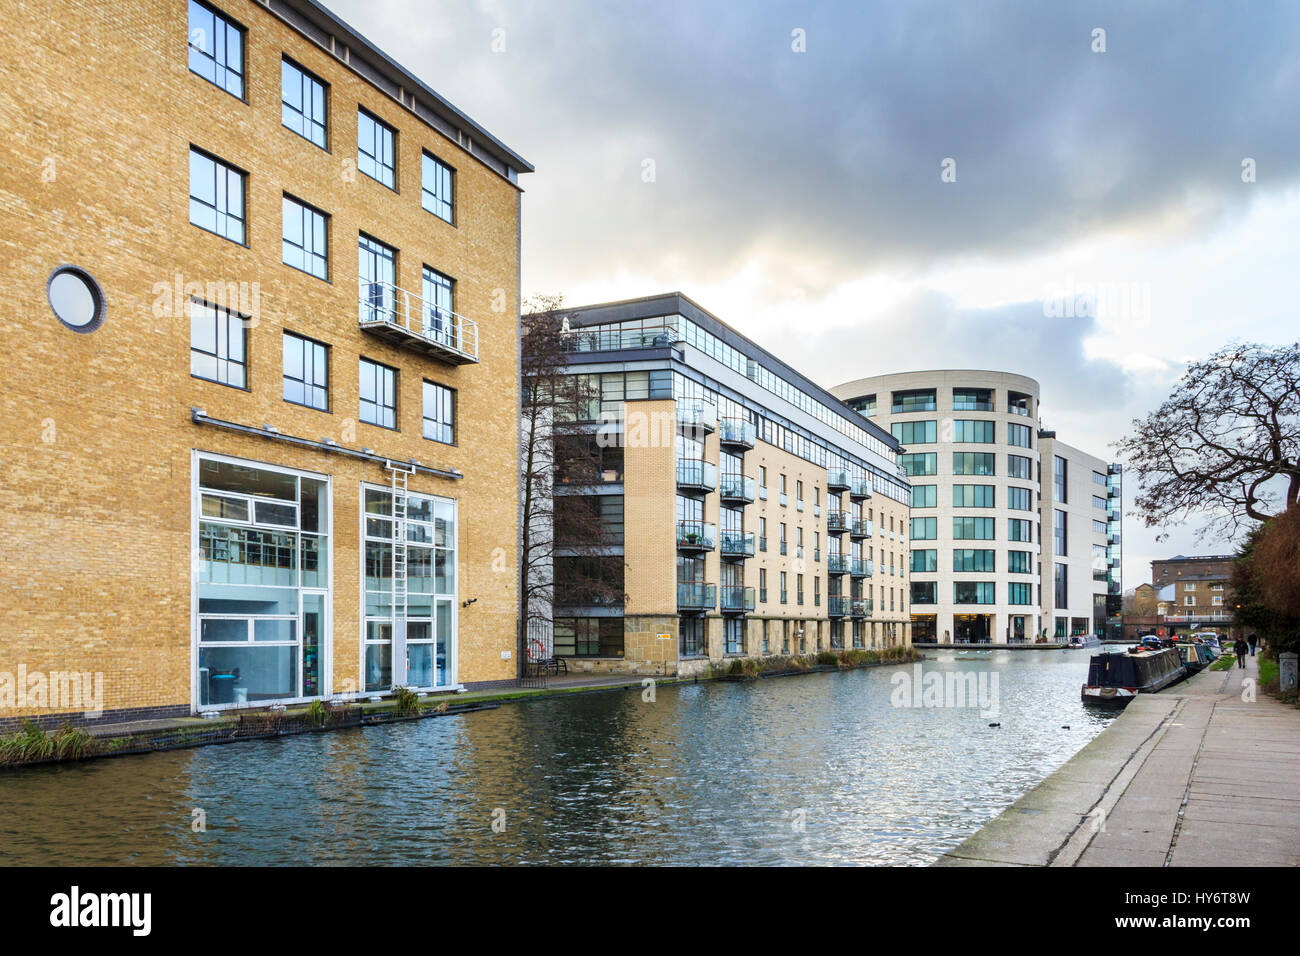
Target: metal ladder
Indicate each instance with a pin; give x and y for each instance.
(399, 472)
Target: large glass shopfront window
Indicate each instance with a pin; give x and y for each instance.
(263, 583)
(429, 613)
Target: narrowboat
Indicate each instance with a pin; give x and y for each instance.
(1195, 656)
(1118, 678)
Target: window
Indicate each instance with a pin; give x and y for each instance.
(1060, 481)
(913, 400)
(306, 372)
(923, 592)
(1098, 479)
(865, 405)
(919, 464)
(218, 345)
(979, 529)
(306, 238)
(1020, 529)
(261, 541)
(1018, 466)
(971, 431)
(376, 153)
(969, 559)
(915, 433)
(439, 413)
(377, 280)
(378, 394)
(1018, 562)
(974, 463)
(973, 592)
(302, 103)
(1019, 435)
(1059, 532)
(216, 196)
(216, 48)
(1020, 499)
(1062, 588)
(925, 496)
(973, 496)
(1018, 403)
(783, 587)
(691, 631)
(436, 183)
(1019, 593)
(972, 399)
(1099, 527)
(1099, 503)
(924, 529)
(734, 633)
(762, 482)
(925, 559)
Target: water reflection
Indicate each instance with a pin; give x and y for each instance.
(812, 770)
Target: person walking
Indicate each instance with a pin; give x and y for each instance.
(1252, 640)
(1241, 647)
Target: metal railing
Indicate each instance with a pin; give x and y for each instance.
(613, 340)
(737, 599)
(837, 606)
(697, 474)
(737, 488)
(697, 535)
(837, 564)
(737, 431)
(738, 544)
(837, 479)
(384, 304)
(837, 521)
(697, 596)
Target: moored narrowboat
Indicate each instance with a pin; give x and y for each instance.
(1118, 678)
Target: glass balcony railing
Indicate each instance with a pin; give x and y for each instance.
(737, 432)
(859, 488)
(737, 600)
(697, 415)
(697, 596)
(861, 528)
(837, 564)
(613, 340)
(857, 568)
(737, 544)
(696, 536)
(837, 521)
(737, 488)
(861, 607)
(837, 606)
(696, 475)
(837, 479)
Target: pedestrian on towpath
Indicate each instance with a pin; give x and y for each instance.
(1252, 640)
(1241, 647)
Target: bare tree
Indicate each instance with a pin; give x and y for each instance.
(1225, 445)
(557, 447)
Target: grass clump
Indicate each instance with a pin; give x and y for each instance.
(407, 700)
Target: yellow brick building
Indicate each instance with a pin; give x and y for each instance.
(249, 263)
(752, 513)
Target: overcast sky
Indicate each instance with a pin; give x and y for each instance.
(798, 195)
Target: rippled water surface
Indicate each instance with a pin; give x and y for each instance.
(819, 769)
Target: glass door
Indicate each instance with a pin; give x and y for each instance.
(314, 629)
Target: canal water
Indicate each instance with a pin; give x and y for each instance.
(818, 769)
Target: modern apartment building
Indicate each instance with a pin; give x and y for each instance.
(753, 513)
(991, 559)
(261, 401)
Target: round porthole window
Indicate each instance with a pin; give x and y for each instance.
(76, 298)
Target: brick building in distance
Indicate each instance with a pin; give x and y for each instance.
(261, 399)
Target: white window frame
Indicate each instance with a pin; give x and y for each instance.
(327, 590)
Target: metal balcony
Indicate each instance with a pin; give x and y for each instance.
(861, 607)
(737, 600)
(837, 522)
(696, 536)
(858, 568)
(837, 480)
(737, 544)
(860, 528)
(737, 432)
(837, 606)
(737, 488)
(837, 564)
(696, 475)
(407, 321)
(696, 597)
(697, 415)
(859, 488)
